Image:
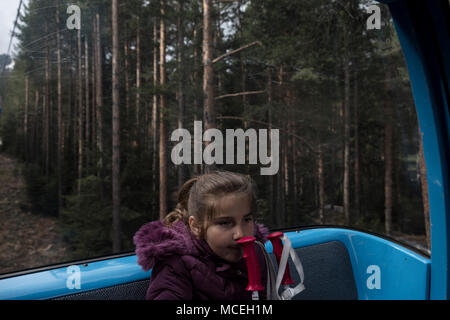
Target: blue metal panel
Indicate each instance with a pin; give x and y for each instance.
(403, 274)
(427, 60)
(53, 283)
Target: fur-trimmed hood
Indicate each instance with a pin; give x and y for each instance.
(154, 241)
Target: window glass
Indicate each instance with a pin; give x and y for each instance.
(319, 89)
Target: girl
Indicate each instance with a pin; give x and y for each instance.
(194, 252)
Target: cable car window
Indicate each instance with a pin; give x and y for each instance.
(100, 126)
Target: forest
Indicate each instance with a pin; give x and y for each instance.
(89, 109)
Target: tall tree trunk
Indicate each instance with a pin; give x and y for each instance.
(43, 143)
(94, 94)
(197, 167)
(346, 190)
(396, 185)
(269, 116)
(41, 128)
(46, 107)
(424, 184)
(60, 148)
(216, 35)
(333, 161)
(155, 116)
(243, 86)
(86, 80)
(99, 101)
(35, 137)
(291, 152)
(69, 123)
(209, 113)
(115, 129)
(127, 84)
(357, 183)
(320, 179)
(286, 179)
(243, 83)
(388, 113)
(138, 83)
(25, 117)
(335, 116)
(294, 164)
(281, 192)
(180, 89)
(51, 126)
(80, 113)
(163, 205)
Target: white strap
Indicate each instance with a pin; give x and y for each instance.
(271, 292)
(289, 292)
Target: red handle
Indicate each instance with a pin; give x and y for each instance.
(277, 245)
(254, 276)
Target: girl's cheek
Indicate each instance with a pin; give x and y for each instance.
(250, 230)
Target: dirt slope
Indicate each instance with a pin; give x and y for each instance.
(26, 240)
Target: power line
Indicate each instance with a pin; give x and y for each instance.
(12, 34)
(14, 28)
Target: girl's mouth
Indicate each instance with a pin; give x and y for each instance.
(236, 250)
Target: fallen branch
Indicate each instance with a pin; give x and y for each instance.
(236, 50)
(238, 94)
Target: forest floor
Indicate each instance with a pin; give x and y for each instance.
(26, 240)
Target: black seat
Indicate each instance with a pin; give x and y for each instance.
(127, 291)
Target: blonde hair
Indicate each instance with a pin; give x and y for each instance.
(198, 197)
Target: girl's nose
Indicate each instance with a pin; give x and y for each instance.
(238, 233)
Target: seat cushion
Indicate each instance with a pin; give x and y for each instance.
(327, 270)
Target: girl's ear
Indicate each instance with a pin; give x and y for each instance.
(194, 227)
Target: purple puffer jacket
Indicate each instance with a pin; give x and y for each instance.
(185, 268)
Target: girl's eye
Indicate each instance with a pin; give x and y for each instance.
(224, 223)
(249, 219)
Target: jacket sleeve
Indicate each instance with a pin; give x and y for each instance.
(170, 281)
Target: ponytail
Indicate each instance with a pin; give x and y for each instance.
(181, 210)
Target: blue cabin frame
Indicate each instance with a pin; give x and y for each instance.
(423, 28)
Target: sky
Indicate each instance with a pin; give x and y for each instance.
(8, 12)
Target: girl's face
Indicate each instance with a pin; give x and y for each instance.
(233, 221)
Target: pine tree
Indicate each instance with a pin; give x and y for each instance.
(115, 130)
